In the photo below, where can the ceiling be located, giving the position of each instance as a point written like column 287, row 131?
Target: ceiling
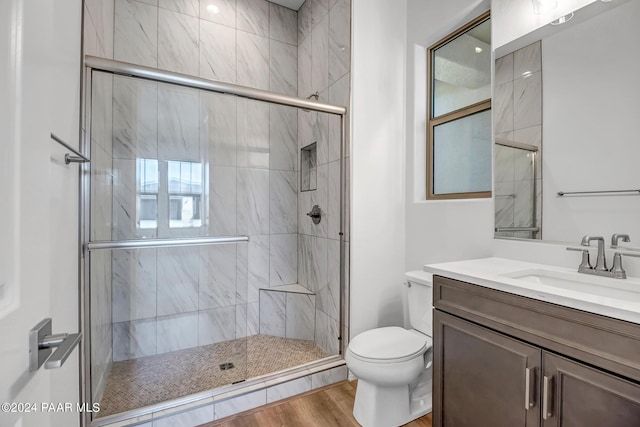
column 291, row 4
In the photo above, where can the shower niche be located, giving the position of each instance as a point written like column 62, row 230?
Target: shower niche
column 309, row 167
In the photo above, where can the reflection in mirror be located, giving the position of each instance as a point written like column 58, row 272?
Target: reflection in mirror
column 572, row 93
column 516, row 198
column 518, row 126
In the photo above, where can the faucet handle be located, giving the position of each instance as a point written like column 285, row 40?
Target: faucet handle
column 601, row 260
column 585, row 263
column 617, row 270
column 616, row 237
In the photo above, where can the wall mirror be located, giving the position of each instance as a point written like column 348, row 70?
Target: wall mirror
column 567, row 127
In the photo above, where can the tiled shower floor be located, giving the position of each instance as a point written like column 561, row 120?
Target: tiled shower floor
column 141, row 382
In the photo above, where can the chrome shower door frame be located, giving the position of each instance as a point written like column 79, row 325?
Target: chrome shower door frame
column 91, row 64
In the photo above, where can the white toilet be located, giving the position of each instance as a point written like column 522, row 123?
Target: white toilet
column 393, row 364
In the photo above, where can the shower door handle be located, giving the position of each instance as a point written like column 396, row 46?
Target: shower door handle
column 41, row 343
column 63, row 351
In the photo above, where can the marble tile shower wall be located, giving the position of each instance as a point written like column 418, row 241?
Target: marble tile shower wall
column 170, row 299
column 252, row 43
column 98, row 28
column 517, row 106
column 175, row 298
column 324, row 52
column 248, row 42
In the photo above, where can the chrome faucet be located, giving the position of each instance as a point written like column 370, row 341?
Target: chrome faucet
column 601, row 261
column 600, row 268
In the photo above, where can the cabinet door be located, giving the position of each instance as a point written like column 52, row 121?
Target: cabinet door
column 483, row 378
column 576, row 395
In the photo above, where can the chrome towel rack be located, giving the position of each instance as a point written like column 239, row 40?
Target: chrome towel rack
column 78, row 158
column 603, row 192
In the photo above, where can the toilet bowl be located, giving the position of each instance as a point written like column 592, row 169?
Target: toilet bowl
column 393, row 364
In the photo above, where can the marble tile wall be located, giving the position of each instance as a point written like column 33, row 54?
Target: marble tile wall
column 169, row 299
column 248, row 42
column 287, row 314
column 164, row 300
column 517, row 106
column 175, row 298
column 324, row 51
column 98, row 28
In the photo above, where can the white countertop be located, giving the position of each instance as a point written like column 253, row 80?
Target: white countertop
column 599, row 294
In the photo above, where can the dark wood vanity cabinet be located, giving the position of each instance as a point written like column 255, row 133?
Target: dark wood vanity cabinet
column 479, row 376
column 497, row 363
column 582, row 396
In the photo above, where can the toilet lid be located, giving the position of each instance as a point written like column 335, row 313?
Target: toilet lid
column 390, row 343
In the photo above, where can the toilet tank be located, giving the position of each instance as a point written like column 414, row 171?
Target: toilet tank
column 420, row 301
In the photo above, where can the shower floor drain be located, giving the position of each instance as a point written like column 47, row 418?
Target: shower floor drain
column 225, row 366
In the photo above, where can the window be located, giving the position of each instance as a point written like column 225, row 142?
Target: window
column 147, row 182
column 459, row 113
column 169, row 194
column 185, row 194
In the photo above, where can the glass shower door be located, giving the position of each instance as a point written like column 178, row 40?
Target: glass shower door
column 168, row 313
column 205, row 269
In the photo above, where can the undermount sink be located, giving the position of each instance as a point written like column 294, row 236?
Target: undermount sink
column 583, row 283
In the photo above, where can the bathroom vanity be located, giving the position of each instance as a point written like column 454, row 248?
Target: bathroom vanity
column 520, row 344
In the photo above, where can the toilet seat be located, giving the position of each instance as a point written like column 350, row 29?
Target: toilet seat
column 388, row 345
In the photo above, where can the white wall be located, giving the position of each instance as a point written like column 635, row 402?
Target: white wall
column 63, row 69
column 377, row 179
column 437, row 231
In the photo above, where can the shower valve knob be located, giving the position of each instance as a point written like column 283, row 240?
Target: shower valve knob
column 315, row 214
